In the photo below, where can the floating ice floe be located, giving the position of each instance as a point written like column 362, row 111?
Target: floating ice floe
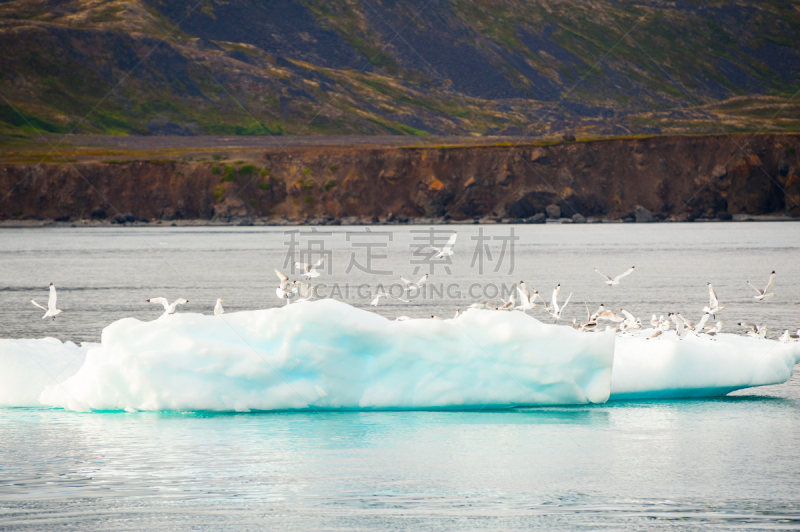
column 28, row 366
column 329, row 355
column 697, row 365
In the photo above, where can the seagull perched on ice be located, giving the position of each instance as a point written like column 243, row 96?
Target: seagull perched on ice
column 787, row 337
column 679, row 325
column 168, row 308
column 447, row 250
column 656, row 334
column 418, row 285
column 767, row 292
column 713, row 303
column 384, row 294
column 51, row 311
column 309, row 270
column 483, row 305
column 304, row 291
column 218, row 308
column 755, row 331
column 615, row 280
column 285, row 288
column 528, row 299
column 603, row 314
column 714, row 329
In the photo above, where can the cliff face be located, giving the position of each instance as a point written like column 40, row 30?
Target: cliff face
column 671, row 176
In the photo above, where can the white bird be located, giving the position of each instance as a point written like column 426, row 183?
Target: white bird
column 558, row 310
column 615, row 280
column 418, row 285
column 309, row 270
column 169, row 308
column 714, row 329
column 483, row 305
column 527, row 299
column 767, row 292
column 285, row 288
column 218, row 308
column 383, row 294
column 679, row 326
column 552, row 307
column 713, row 303
column 702, row 323
column 448, row 248
column 305, row 291
column 787, row 337
column 458, row 313
column 51, row 311
column 689, row 323
column 656, row 334
column 654, row 321
column 755, row 331
column 603, row 314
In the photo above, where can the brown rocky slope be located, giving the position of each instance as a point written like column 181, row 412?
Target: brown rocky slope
column 673, row 177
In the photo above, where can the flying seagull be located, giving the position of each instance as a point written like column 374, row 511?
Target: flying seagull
column 447, row 250
column 713, row 303
column 168, row 308
column 310, row 270
column 528, row 299
column 384, row 294
column 285, row 288
column 51, row 311
column 615, row 280
column 418, row 285
column 767, row 292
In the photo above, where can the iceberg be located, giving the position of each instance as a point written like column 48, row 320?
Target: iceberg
column 31, row 365
column 697, row 365
column 329, row 355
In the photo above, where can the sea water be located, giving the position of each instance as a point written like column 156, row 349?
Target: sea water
column 729, row 463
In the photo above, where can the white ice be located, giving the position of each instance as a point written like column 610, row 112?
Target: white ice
column 28, row 366
column 329, row 355
column 697, row 366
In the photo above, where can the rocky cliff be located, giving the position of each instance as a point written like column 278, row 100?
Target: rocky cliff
column 672, row 177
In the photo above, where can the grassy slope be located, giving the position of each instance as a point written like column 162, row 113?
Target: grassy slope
column 654, row 70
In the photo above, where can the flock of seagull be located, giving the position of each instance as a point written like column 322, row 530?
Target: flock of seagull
column 523, row 299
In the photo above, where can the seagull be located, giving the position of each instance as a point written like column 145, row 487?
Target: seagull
column 284, row 290
column 483, row 305
column 615, row 280
column 525, row 296
column 702, row 323
column 558, row 310
column 304, row 290
column 458, row 313
column 656, row 334
column 418, row 285
column 218, row 308
column 603, row 314
column 789, row 337
column 768, row 290
column 755, row 331
column 654, row 321
column 434, row 317
column 383, row 294
column 309, row 270
column 714, row 329
column 168, row 308
column 51, row 311
column 679, row 326
column 713, row 304
column 689, row 323
column 448, row 248
column 552, row 307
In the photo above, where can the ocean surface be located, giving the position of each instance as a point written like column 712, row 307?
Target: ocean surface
column 725, row 464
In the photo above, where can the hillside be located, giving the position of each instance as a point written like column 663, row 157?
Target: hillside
column 408, row 67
